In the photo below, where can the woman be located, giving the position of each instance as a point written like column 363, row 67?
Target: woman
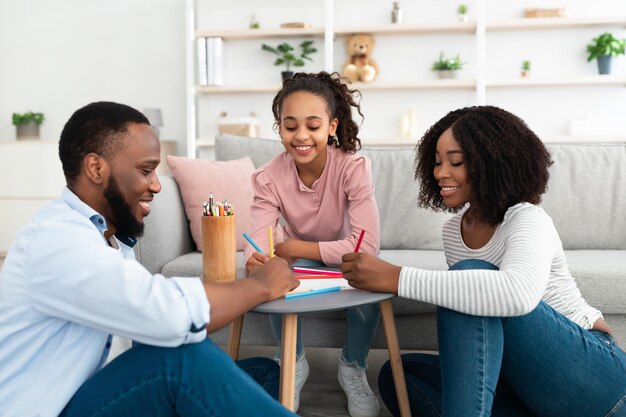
column 516, row 338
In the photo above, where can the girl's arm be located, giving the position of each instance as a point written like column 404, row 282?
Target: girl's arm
column 264, row 212
column 362, row 214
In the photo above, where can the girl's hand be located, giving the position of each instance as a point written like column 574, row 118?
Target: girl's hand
column 256, row 260
column 369, row 273
column 287, row 250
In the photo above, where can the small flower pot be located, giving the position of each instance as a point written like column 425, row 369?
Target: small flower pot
column 463, row 18
column 604, row 64
column 29, row 131
column 446, row 74
column 286, row 74
column 525, row 73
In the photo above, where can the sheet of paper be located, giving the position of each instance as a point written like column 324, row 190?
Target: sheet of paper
column 316, row 284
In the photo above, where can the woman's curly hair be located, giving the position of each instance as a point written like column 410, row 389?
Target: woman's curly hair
column 506, row 162
column 339, row 99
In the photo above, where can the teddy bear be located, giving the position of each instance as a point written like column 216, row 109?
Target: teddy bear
column 360, row 66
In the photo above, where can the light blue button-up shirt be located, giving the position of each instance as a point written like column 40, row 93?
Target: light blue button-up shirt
column 64, row 291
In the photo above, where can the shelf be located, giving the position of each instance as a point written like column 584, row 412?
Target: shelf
column 400, row 29
column 205, row 143
column 537, row 23
column 529, row 23
column 209, row 89
column 556, row 82
column 423, row 85
column 375, row 86
column 581, row 139
column 260, row 33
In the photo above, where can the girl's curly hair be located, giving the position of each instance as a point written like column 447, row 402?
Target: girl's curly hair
column 506, row 162
column 339, row 99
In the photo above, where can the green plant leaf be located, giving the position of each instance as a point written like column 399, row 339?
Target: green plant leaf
column 287, row 56
column 25, row 118
column 605, row 44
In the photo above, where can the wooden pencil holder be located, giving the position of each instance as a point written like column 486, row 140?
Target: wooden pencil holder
column 219, row 249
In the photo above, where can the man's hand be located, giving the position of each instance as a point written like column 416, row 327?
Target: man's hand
column 257, row 259
column 369, row 273
column 275, row 277
column 231, row 299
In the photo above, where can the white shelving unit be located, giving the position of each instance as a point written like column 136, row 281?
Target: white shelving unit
column 480, row 84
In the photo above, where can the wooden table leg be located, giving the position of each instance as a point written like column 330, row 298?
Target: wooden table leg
column 234, row 338
column 288, row 360
column 393, row 347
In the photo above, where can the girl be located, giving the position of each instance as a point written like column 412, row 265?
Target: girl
column 325, row 194
column 516, row 338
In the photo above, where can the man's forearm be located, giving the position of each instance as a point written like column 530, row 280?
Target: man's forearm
column 230, row 300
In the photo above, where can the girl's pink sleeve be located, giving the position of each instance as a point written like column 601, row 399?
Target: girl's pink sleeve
column 362, row 214
column 264, row 212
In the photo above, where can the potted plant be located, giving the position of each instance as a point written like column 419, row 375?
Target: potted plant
column 285, row 55
column 462, row 12
column 604, row 48
column 27, row 125
column 525, row 68
column 447, row 67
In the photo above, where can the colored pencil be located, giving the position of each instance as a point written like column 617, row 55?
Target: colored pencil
column 298, row 291
column 271, row 239
column 313, row 292
column 358, row 243
column 254, row 245
column 316, row 271
column 315, row 276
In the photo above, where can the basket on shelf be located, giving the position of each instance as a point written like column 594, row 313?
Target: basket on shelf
column 539, row 12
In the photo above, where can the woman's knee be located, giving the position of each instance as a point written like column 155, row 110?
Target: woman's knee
column 473, row 264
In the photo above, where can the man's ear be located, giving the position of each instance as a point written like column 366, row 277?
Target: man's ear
column 96, row 168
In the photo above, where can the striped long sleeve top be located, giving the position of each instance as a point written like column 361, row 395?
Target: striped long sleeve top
column 532, row 267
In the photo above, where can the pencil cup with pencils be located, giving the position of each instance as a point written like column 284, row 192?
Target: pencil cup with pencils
column 219, row 249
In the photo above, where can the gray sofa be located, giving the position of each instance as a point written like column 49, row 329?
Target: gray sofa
column 586, row 200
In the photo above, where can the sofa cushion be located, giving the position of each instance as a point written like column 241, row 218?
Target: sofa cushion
column 585, row 195
column 166, row 232
column 600, row 277
column 225, row 179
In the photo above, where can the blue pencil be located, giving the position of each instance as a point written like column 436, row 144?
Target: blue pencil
column 307, row 293
column 254, row 245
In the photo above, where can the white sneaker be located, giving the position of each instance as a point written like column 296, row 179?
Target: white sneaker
column 362, row 402
column 302, row 373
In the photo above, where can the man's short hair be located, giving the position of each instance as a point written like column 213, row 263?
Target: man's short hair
column 98, row 127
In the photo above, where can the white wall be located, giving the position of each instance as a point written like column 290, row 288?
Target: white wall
column 56, row 56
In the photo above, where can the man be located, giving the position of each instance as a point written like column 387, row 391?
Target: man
column 70, row 281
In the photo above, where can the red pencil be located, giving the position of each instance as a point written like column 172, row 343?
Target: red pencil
column 358, row 243
column 316, row 276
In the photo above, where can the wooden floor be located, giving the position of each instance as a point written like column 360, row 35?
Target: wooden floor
column 322, row 396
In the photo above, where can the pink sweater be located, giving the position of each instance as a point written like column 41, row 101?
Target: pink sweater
column 332, row 212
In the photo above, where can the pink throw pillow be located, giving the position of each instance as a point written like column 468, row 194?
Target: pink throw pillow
column 225, row 179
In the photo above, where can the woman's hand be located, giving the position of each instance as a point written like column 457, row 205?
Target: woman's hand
column 369, row 273
column 257, row 259
column 602, row 326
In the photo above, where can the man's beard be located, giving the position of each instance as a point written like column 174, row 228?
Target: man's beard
column 122, row 216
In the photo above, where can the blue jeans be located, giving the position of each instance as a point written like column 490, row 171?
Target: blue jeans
column 198, row 379
column 361, row 324
column 539, row 364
